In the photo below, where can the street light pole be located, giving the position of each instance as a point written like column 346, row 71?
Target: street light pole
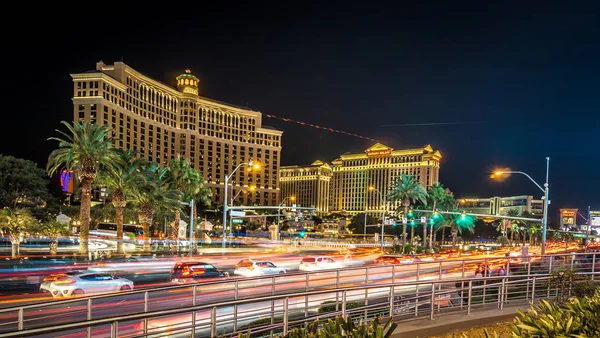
column 545, row 190
column 192, row 241
column 225, row 206
column 383, row 198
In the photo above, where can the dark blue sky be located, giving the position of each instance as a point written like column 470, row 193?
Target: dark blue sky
column 530, row 70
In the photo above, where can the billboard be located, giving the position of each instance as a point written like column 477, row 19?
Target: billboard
column 568, row 217
column 596, row 221
column 66, row 181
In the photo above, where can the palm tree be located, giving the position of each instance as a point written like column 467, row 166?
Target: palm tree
column 188, row 181
column 156, row 194
column 406, row 189
column 85, row 149
column 438, row 196
column 53, row 229
column 16, row 222
column 121, row 183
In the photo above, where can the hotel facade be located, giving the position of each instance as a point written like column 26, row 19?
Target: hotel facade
column 161, row 122
column 499, row 206
column 348, row 178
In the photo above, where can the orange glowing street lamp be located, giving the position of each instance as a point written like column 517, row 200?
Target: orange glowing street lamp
column 499, row 173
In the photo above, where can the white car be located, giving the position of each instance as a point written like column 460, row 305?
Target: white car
column 247, row 267
column 79, row 283
column 318, row 263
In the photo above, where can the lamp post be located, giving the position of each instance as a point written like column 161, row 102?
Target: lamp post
column 546, row 201
column 372, row 188
column 291, row 198
column 250, row 163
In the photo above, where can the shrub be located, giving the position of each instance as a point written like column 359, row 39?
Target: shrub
column 329, row 306
column 576, row 318
column 341, row 327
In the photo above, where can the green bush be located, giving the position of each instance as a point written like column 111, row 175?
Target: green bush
column 565, row 282
column 578, row 317
column 341, row 327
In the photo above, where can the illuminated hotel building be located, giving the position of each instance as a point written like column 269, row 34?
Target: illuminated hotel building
column 161, row 122
column 499, row 206
column 352, row 174
column 309, row 185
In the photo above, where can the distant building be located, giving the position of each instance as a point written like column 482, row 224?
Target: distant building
column 349, row 177
column 499, row 206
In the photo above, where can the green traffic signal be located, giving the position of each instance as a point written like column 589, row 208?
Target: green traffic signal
column 410, row 214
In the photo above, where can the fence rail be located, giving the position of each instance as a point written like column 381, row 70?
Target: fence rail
column 413, row 289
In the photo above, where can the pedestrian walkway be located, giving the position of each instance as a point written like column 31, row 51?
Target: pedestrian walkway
column 454, row 322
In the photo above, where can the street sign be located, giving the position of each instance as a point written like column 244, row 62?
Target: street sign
column 423, row 219
column 237, row 220
column 235, row 213
column 578, row 235
column 404, row 220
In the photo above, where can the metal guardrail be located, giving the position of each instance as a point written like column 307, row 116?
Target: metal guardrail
column 580, row 262
column 209, row 319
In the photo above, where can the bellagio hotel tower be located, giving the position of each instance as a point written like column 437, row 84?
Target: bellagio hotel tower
column 161, row 122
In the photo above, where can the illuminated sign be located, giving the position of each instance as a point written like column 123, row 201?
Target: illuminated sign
column 595, row 220
column 66, row 181
column 190, row 90
column 568, row 217
column 379, row 152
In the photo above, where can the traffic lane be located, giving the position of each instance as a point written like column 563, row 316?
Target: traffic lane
column 170, row 299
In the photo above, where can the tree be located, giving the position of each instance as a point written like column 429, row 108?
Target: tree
column 23, row 185
column 189, row 182
column 16, row 222
column 514, row 224
column 440, row 198
column 407, row 189
column 84, row 149
column 121, row 183
column 155, row 194
column 53, row 229
column 461, row 223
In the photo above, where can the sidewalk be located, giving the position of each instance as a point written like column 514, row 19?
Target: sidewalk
column 454, row 322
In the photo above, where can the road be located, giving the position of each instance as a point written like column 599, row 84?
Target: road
column 127, row 303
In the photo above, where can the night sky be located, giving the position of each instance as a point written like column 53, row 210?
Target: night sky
column 528, row 73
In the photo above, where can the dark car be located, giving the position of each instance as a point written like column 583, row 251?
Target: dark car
column 190, row 272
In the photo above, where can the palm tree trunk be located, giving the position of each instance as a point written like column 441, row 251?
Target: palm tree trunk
column 431, row 230
column 412, row 234
column 454, row 232
column 146, row 237
column 53, row 246
column 15, row 241
column 119, row 204
column 175, row 232
column 404, row 227
column 424, row 235
column 443, row 239
column 146, row 214
column 84, row 215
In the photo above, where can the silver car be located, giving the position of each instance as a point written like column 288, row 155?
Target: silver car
column 79, row 283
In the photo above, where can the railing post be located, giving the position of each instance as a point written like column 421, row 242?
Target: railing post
column 432, row 301
column 145, row 301
column 20, row 319
column 593, row 265
column 213, row 322
column 236, row 290
column 193, row 323
column 533, row 290
column 273, row 286
column 366, row 303
column 307, row 281
column 114, row 329
column 440, row 271
column 469, row 295
column 285, row 315
column 394, row 273
column 235, row 311
column 418, row 271
column 392, row 301
column 550, row 265
column 463, row 268
column 337, row 278
column 501, row 294
column 367, row 276
column 89, row 317
column 344, row 304
column 194, row 295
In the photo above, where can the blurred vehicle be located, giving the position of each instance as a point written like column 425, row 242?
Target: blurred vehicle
column 318, row 263
column 427, row 257
column 248, row 267
column 26, row 274
column 190, row 272
column 388, row 259
column 79, row 283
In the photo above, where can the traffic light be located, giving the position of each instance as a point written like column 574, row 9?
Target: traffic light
column 410, row 214
column 436, row 214
column 463, row 215
column 302, row 234
column 394, row 224
column 412, row 223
